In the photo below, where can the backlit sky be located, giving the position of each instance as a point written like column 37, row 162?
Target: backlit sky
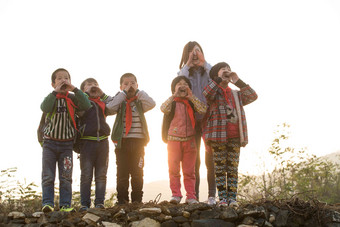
column 288, row 51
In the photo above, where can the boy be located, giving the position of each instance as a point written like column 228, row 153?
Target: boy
column 225, row 130
column 59, row 132
column 178, row 130
column 130, row 135
column 94, row 145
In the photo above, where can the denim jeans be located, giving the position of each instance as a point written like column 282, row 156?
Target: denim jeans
column 57, row 152
column 209, row 162
column 94, row 156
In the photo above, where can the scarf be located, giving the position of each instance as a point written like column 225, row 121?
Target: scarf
column 227, row 94
column 190, row 111
column 128, row 114
column 70, row 106
column 100, row 103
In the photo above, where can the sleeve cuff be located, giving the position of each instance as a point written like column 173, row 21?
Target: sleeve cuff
column 240, row 84
column 75, row 90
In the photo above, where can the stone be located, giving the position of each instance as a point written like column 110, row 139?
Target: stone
column 38, row 214
column 281, row 218
column 211, row 222
column 209, row 214
column 16, row 215
column 57, row 216
column 146, row 222
column 271, row 218
column 31, row 220
column 91, row 218
column 152, row 210
column 229, row 214
column 170, row 223
column 257, row 212
column 98, row 212
column 197, row 206
column 175, row 211
column 110, row 224
column 186, row 214
column 67, row 223
column 180, row 219
column 132, row 216
column 119, row 214
column 248, row 220
column 332, row 216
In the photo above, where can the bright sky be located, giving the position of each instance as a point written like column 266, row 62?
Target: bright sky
column 288, row 51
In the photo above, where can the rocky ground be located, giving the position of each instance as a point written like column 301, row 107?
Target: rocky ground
column 265, row 213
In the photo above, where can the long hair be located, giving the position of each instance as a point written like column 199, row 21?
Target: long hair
column 186, row 50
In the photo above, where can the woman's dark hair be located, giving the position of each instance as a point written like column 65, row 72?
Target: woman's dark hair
column 178, row 79
column 186, row 50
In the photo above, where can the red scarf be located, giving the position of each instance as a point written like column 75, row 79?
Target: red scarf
column 70, row 106
column 189, row 109
column 227, row 94
column 100, row 103
column 128, row 114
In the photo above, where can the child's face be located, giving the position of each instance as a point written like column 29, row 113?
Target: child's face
column 129, row 85
column 181, row 88
column 88, row 86
column 223, row 72
column 61, row 77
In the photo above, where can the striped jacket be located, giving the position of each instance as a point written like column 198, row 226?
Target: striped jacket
column 215, row 120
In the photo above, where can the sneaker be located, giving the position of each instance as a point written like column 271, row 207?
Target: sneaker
column 83, row 208
column 175, row 200
column 47, row 208
column 211, row 201
column 67, row 209
column 100, row 206
column 233, row 203
column 223, row 203
column 191, row 201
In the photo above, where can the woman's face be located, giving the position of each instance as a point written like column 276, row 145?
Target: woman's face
column 195, row 51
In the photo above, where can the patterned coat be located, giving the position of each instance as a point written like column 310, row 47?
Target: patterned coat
column 215, row 124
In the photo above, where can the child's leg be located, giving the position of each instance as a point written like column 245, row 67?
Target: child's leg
column 174, row 163
column 49, row 160
column 220, row 158
column 65, row 166
column 233, row 155
column 87, row 157
column 209, row 162
column 188, row 167
column 101, row 165
column 122, row 162
column 136, row 169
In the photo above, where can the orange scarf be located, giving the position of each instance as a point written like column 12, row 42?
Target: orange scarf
column 128, row 114
column 70, row 106
column 190, row 111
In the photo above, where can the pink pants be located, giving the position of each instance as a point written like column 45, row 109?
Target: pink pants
column 184, row 152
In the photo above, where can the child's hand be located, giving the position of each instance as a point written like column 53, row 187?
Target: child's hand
column 64, row 87
column 94, row 92
column 233, row 77
column 189, row 93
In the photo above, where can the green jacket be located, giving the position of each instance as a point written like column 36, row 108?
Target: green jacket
column 118, row 126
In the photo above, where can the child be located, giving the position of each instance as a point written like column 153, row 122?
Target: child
column 178, row 130
column 130, row 135
column 94, row 145
column 194, row 66
column 59, row 132
column 225, row 129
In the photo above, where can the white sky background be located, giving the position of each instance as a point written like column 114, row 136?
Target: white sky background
column 288, row 51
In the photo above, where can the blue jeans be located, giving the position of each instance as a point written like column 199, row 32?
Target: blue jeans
column 94, row 156
column 57, row 152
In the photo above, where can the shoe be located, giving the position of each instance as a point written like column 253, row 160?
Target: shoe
column 175, row 200
column 83, row 208
column 223, row 203
column 191, row 201
column 67, row 209
column 211, row 201
column 47, row 209
column 233, row 203
column 100, row 206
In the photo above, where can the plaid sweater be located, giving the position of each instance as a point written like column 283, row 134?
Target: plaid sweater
column 215, row 121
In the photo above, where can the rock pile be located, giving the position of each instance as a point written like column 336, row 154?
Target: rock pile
column 164, row 214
